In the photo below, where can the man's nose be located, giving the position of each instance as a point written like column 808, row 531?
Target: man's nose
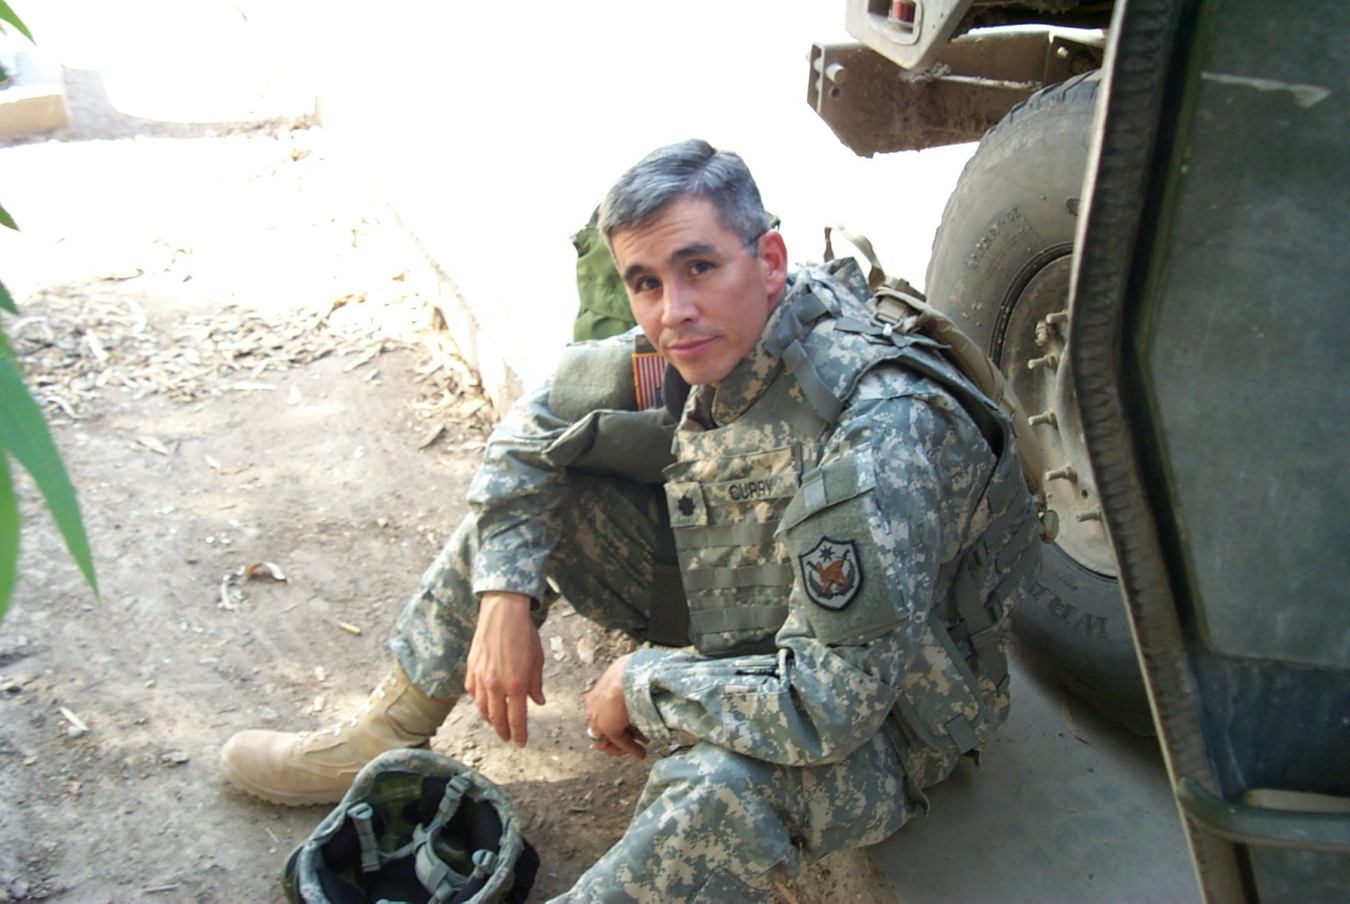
column 679, row 304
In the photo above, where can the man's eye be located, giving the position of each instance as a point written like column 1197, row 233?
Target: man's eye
column 644, row 284
column 700, row 267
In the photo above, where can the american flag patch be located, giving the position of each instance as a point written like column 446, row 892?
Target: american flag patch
column 649, row 369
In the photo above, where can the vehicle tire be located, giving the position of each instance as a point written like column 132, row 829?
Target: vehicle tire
column 1001, row 270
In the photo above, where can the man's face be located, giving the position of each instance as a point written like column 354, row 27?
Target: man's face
column 697, row 291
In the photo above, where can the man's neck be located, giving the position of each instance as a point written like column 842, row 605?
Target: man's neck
column 720, row 404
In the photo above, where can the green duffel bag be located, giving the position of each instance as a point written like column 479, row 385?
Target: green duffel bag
column 603, row 309
column 416, row 827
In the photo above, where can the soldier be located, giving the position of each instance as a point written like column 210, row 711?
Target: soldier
column 846, row 515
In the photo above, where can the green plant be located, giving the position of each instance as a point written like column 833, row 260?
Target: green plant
column 24, row 435
column 7, row 15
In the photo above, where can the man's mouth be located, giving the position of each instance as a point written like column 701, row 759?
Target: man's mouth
column 689, row 347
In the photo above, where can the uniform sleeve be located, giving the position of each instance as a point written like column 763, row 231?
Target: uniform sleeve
column 914, row 467
column 516, row 494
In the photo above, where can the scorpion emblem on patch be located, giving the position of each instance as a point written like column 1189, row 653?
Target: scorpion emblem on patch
column 832, row 572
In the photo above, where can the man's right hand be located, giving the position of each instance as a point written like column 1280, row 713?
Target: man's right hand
column 506, row 664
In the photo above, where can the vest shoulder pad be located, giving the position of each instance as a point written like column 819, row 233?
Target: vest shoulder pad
column 599, row 374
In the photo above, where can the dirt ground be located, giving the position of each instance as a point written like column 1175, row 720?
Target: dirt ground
column 240, row 355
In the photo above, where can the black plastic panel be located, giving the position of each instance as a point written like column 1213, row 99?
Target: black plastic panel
column 1250, row 352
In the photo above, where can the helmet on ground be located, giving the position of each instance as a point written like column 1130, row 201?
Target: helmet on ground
column 416, row 827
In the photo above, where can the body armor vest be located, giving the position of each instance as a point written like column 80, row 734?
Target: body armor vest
column 734, row 485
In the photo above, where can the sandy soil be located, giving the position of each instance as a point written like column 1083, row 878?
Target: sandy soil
column 240, row 355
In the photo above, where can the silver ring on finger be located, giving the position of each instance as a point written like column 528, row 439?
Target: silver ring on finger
column 595, row 738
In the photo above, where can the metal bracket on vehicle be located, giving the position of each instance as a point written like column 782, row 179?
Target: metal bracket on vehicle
column 875, row 106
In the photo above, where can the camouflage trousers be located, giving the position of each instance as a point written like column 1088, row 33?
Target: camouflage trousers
column 716, row 826
column 710, row 825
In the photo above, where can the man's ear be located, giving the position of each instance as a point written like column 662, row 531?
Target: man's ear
column 773, row 262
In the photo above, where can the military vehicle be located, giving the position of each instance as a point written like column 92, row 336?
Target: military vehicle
column 1150, row 242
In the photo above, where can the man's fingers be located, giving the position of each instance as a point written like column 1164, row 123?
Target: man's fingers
column 507, row 715
column 626, row 744
column 621, row 744
column 537, row 685
column 480, row 699
column 497, row 716
column 516, row 708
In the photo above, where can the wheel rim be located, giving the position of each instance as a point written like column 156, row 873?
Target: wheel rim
column 1030, row 347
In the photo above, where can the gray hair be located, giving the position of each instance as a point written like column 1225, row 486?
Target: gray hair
column 690, row 169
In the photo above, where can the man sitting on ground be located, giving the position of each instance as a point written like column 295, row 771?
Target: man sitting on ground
column 838, row 527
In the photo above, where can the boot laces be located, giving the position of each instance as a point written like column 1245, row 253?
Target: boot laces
column 351, row 721
column 366, row 707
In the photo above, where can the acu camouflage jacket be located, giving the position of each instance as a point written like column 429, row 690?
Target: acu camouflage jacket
column 879, row 508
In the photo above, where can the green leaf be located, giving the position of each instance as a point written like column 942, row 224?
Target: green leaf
column 5, row 218
column 8, row 15
column 9, row 535
column 6, row 301
column 24, row 433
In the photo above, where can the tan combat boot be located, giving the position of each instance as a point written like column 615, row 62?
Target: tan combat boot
column 318, row 767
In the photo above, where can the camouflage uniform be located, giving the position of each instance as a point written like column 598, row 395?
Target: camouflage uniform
column 832, row 500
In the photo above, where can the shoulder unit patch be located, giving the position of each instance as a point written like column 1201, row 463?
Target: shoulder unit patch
column 832, row 572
